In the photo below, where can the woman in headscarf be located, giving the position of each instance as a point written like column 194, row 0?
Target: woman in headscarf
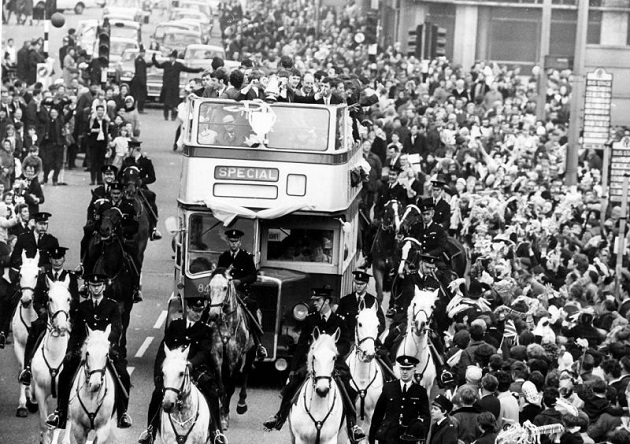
column 131, row 115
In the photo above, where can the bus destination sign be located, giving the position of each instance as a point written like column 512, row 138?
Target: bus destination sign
column 253, row 174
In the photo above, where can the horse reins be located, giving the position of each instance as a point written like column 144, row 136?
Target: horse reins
column 181, row 395
column 88, row 374
column 363, row 392
column 54, row 372
column 319, row 424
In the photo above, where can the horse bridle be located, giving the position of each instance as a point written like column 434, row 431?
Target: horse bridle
column 51, row 319
column 180, row 392
column 316, row 378
column 89, row 373
column 426, row 328
column 358, row 345
column 319, row 424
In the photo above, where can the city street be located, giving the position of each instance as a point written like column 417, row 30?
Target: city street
column 68, row 206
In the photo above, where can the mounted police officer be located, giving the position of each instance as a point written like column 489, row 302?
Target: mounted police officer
column 401, row 403
column 428, row 232
column 129, row 227
column 37, row 240
column 138, row 159
column 191, row 332
column 102, row 191
column 243, row 270
column 349, row 305
column 97, row 312
column 328, row 322
column 442, row 214
column 38, row 327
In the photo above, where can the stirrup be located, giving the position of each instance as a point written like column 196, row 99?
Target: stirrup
column 219, row 438
column 25, row 376
column 53, row 420
column 156, row 235
column 146, row 437
column 261, row 352
column 137, row 296
column 271, row 423
column 357, row 433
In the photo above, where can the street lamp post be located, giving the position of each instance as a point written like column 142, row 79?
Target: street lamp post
column 577, row 94
column 545, row 33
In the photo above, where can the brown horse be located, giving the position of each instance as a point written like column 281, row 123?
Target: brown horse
column 233, row 345
column 384, row 251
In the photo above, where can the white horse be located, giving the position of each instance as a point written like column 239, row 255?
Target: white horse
column 185, row 412
column 48, row 357
column 93, row 392
column 317, row 417
column 416, row 339
column 367, row 376
column 21, row 323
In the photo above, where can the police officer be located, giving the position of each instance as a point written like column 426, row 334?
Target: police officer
column 241, row 265
column 401, row 402
column 442, row 214
column 187, row 332
column 97, row 312
column 444, row 429
column 37, row 240
column 138, row 159
column 428, row 232
column 38, row 327
column 328, row 322
column 349, row 305
column 102, row 191
column 129, row 229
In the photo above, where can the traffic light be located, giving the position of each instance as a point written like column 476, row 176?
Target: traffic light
column 415, row 42
column 104, row 32
column 438, row 42
column 371, row 27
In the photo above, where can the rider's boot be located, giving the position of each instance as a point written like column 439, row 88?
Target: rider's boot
column 37, row 328
column 277, row 421
column 155, row 234
column 348, row 395
column 3, row 340
column 137, row 295
column 58, row 418
column 124, row 421
column 261, row 351
column 148, row 435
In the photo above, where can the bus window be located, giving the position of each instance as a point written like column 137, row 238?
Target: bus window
column 300, row 245
column 227, row 124
column 206, row 241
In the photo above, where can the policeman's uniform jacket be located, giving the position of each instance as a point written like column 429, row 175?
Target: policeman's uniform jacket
column 97, row 318
column 144, row 164
column 26, row 242
column 442, row 215
column 395, row 410
column 178, row 334
column 130, row 218
column 243, row 267
column 432, row 237
column 100, row 192
column 328, row 326
column 349, row 308
column 40, row 297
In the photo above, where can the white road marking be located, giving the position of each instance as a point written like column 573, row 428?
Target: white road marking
column 143, row 348
column 160, row 320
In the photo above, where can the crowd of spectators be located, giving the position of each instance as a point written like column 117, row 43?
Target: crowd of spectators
column 538, row 326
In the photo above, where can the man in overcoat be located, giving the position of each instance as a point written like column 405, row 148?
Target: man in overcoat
column 169, row 95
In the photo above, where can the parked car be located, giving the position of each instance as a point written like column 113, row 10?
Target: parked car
column 78, row 6
column 125, row 70
column 121, row 13
column 161, row 29
column 197, row 26
column 178, row 40
column 126, row 29
column 190, row 15
column 196, row 5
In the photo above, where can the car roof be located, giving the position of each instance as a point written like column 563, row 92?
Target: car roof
column 190, row 12
column 119, row 23
column 187, row 31
column 171, row 24
column 124, row 40
column 208, row 47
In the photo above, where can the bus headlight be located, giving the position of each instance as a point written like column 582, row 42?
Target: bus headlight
column 281, row 364
column 300, row 311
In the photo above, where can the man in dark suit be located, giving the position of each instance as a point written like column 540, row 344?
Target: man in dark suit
column 443, row 429
column 96, row 313
column 169, row 95
column 442, row 209
column 191, row 332
column 416, row 142
column 325, row 96
column 40, row 298
column 243, row 269
column 141, row 161
column 349, row 305
column 23, row 216
column 37, row 240
column 328, row 322
column 138, row 86
column 401, row 402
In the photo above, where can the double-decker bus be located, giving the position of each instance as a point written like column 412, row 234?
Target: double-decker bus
column 284, row 174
